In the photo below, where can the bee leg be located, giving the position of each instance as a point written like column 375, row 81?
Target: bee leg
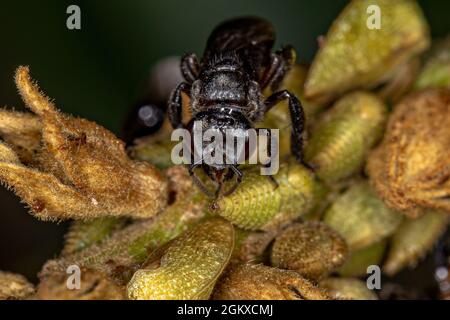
column 280, row 63
column 268, row 134
column 209, row 173
column 238, row 173
column 297, row 120
column 198, row 182
column 190, row 67
column 229, row 175
column 175, row 105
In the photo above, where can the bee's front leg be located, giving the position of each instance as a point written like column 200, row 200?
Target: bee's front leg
column 190, row 68
column 175, row 105
column 297, row 121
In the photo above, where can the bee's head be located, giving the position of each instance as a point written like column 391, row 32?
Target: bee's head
column 220, row 135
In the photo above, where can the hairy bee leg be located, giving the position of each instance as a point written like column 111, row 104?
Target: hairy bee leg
column 198, row 182
column 275, row 63
column 175, row 105
column 297, row 119
column 238, row 173
column 228, row 175
column 190, row 67
column 209, row 173
column 280, row 63
column 268, row 134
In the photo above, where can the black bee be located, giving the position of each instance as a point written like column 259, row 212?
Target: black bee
column 225, row 88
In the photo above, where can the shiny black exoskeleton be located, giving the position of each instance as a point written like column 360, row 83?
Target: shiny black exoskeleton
column 225, row 88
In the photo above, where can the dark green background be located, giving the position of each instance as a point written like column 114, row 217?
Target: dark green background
column 98, row 71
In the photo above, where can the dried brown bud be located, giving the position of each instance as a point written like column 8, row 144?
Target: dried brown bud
column 22, row 131
column 311, row 248
column 410, row 170
column 251, row 246
column 7, row 154
column 93, row 286
column 258, row 282
column 82, row 169
column 14, row 286
column 121, row 254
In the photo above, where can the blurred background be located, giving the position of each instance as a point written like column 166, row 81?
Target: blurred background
column 98, row 72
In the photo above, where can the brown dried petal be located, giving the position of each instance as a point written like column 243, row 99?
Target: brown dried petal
column 14, row 286
column 251, row 246
column 258, row 282
column 124, row 251
column 7, row 154
column 410, row 170
column 93, row 286
column 84, row 171
column 22, row 131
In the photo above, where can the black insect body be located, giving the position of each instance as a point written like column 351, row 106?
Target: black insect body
column 225, row 88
